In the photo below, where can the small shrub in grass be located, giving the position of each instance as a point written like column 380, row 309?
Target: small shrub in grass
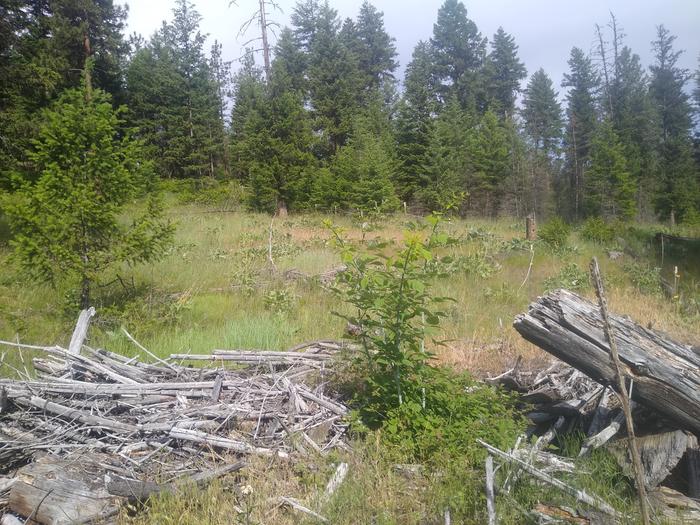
column 555, row 233
column 571, row 277
column 280, row 300
column 645, row 278
column 595, row 229
column 448, row 417
column 424, row 410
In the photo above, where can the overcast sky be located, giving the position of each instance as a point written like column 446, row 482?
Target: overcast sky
column 545, row 30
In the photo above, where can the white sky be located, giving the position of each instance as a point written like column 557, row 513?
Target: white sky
column 545, row 30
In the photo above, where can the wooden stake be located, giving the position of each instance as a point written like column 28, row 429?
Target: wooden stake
column 622, row 391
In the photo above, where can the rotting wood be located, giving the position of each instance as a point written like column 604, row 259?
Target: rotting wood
column 666, row 374
column 301, row 508
column 336, row 481
column 144, row 420
column 139, row 491
column 660, row 453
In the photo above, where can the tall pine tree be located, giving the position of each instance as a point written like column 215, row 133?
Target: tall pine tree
column 581, row 120
column 678, row 197
column 459, row 51
column 174, row 97
column 542, row 123
column 503, row 73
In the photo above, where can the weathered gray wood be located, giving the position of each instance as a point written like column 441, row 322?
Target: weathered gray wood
column 55, row 491
column 219, row 442
column 139, row 491
column 10, row 519
column 693, row 455
column 660, row 453
column 674, row 508
column 336, row 481
column 490, row 495
column 666, row 374
column 301, row 508
column 81, row 329
column 589, row 499
column 623, row 393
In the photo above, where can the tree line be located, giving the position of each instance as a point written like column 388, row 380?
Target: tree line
column 328, row 126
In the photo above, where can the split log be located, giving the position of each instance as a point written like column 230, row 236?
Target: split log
column 666, row 374
column 675, row 508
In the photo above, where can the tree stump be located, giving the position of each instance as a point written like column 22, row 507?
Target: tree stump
column 530, row 227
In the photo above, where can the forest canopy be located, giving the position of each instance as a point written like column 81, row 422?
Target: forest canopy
column 325, row 124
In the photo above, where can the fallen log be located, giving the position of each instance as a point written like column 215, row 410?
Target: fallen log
column 666, row 374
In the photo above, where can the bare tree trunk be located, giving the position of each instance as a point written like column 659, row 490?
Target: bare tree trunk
column 266, row 45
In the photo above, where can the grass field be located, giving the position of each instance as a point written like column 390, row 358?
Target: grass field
column 217, row 289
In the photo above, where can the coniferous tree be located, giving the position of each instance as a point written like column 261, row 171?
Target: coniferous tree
column 376, row 50
column 503, row 73
column 610, row 190
column 542, row 123
column 364, row 170
column 459, row 51
column 442, row 187
column 66, row 218
column 43, row 47
column 174, row 97
column 414, row 123
column 272, row 139
column 489, row 162
column 334, row 81
column 248, row 99
column 581, row 120
column 678, row 197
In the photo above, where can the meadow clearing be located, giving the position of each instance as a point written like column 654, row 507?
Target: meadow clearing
column 218, row 289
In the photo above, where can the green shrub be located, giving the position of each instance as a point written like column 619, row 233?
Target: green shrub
column 570, row 277
column 424, row 410
column 206, row 191
column 555, row 233
column 645, row 278
column 446, row 422
column 595, row 229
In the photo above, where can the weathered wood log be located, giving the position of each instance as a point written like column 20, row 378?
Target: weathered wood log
column 660, row 453
column 54, row 491
column 666, row 374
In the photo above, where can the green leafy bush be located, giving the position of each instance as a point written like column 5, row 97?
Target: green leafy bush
column 422, row 409
column 645, row 278
column 555, row 233
column 595, row 229
column 453, row 412
column 570, row 277
column 280, row 300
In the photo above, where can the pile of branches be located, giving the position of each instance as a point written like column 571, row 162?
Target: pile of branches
column 148, row 425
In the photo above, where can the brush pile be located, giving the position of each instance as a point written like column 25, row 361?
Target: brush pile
column 94, row 427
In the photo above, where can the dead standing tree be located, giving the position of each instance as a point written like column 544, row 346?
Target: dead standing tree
column 261, row 17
